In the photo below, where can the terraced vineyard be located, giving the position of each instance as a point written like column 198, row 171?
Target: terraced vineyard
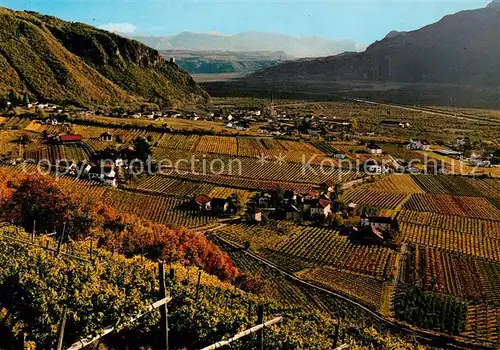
column 171, row 186
column 218, row 144
column 37, row 127
column 483, row 323
column 15, row 123
column 8, row 144
column 181, row 142
column 52, row 153
column 126, row 135
column 450, row 273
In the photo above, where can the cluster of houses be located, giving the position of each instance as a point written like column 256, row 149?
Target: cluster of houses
column 317, row 207
column 290, row 205
column 214, row 206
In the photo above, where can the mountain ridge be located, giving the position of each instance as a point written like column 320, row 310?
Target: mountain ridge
column 307, row 46
column 458, row 49
column 74, row 63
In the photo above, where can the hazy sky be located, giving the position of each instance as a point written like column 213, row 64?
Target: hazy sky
column 361, row 21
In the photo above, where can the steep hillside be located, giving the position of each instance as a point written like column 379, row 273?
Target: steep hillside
column 459, row 50
column 77, row 64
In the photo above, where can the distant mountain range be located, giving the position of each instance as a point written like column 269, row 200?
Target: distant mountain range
column 310, row 46
column 453, row 58
column 218, row 62
column 459, row 49
column 74, row 63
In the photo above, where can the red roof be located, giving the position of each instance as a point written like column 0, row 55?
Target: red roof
column 70, row 138
column 202, row 199
column 324, row 203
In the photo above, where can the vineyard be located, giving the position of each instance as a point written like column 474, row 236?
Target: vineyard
column 325, row 247
column 451, row 222
column 9, row 145
column 38, row 127
column 453, row 241
column 367, row 290
column 396, row 183
column 126, row 135
column 367, row 196
column 251, row 168
column 38, row 152
column 296, row 296
column 245, row 147
column 457, row 185
column 450, row 273
column 14, row 123
column 470, row 280
column 475, row 207
column 157, row 208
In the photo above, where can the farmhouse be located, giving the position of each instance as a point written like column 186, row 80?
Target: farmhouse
column 321, row 207
column 384, row 224
column 202, row 202
column 106, row 136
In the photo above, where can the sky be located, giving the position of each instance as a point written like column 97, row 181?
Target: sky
column 361, row 21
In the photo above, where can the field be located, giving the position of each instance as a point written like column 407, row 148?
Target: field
column 472, row 280
column 53, row 153
column 451, row 222
column 245, row 169
column 161, row 209
column 397, row 183
column 366, row 196
column 8, row 144
column 477, row 245
column 475, row 207
column 457, row 185
column 368, row 290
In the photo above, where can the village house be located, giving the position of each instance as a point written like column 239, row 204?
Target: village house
column 202, row 202
column 321, row 207
column 385, row 224
column 422, row 145
column 106, row 136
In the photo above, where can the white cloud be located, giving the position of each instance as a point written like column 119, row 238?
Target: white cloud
column 119, row 27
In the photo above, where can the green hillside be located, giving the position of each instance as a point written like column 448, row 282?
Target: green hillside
column 74, row 63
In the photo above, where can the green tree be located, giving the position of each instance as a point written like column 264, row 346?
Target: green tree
column 143, row 149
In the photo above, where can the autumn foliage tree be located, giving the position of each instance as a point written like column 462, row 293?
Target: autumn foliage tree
column 39, row 199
